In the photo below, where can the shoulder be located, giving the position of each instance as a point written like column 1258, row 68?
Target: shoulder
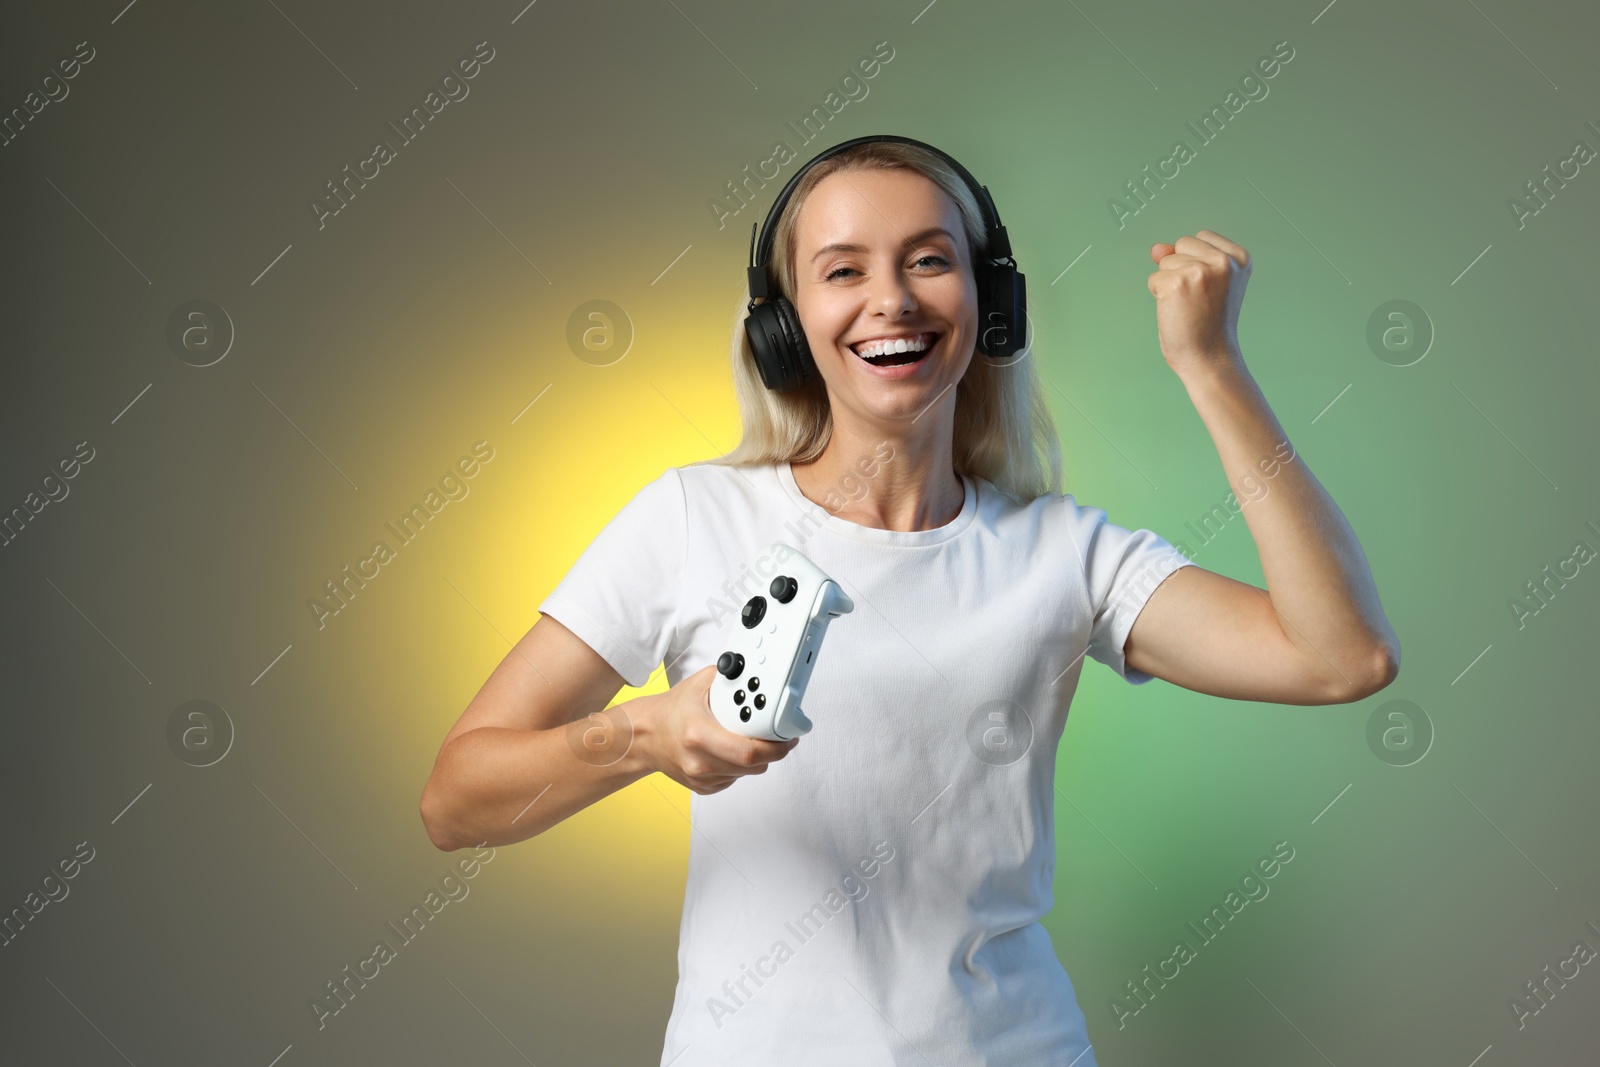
column 707, row 473
column 717, row 469
column 1045, row 512
column 708, row 480
column 662, row 494
column 700, row 480
column 1059, row 519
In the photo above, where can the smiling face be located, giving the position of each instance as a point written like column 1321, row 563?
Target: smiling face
column 882, row 255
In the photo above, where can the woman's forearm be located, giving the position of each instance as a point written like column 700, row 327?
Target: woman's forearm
column 1316, row 573
column 496, row 786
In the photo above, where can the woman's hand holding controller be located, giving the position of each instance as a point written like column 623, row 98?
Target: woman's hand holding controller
column 683, row 740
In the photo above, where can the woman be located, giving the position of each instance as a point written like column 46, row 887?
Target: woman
column 874, row 894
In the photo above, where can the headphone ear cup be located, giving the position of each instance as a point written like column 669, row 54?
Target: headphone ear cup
column 800, row 364
column 1003, row 312
column 778, row 344
column 764, row 330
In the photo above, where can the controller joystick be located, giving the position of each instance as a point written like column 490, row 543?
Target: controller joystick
column 761, row 677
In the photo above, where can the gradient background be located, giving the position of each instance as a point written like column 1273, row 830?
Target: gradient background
column 370, row 355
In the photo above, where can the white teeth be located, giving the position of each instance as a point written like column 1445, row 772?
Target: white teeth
column 895, row 347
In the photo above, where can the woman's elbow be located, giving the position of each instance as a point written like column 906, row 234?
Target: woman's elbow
column 1383, row 667
column 1388, row 664
column 434, row 820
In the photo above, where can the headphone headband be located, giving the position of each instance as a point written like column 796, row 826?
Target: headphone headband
column 999, row 244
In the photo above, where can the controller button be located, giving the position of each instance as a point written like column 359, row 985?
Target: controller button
column 754, row 611
column 773, row 628
column 744, row 714
column 754, row 684
column 783, row 588
column 760, row 700
column 730, row 665
column 738, row 696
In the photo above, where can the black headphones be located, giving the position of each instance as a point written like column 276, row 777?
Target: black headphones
column 773, row 327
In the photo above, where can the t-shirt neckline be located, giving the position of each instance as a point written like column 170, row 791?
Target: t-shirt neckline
column 784, row 474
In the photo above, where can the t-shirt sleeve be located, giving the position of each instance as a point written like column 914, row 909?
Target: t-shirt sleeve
column 621, row 595
column 1122, row 568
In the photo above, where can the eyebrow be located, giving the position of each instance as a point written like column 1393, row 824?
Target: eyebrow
column 916, row 238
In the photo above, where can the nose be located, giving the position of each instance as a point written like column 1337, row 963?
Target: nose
column 891, row 294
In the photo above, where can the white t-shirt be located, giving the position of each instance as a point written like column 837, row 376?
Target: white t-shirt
column 875, row 896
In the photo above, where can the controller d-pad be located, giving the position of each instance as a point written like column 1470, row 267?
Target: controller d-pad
column 754, row 611
column 783, row 588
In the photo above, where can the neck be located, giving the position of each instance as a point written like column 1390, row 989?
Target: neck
column 900, row 483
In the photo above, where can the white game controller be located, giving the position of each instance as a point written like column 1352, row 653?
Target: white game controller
column 771, row 648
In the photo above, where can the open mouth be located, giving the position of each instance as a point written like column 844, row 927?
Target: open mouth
column 896, row 353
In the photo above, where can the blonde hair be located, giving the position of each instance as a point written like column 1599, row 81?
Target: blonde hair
column 1003, row 432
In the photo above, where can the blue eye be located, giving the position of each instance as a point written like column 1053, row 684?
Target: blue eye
column 940, row 260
